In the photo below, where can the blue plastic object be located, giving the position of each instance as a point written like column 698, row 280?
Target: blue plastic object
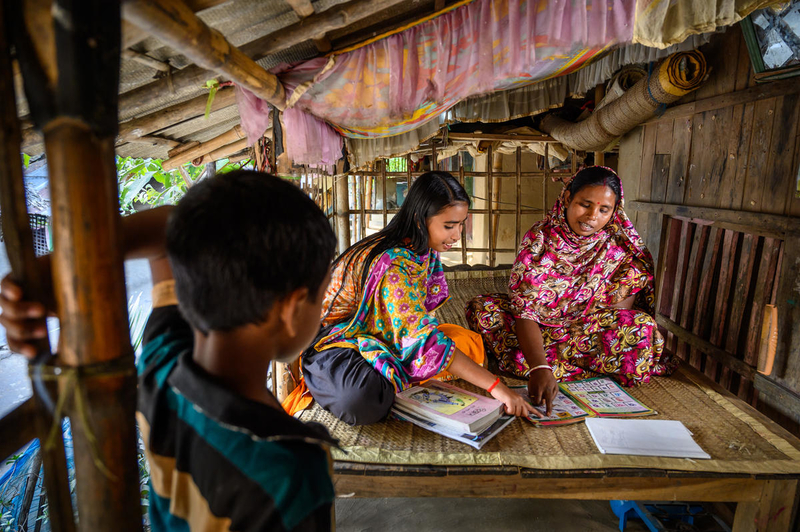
column 655, row 515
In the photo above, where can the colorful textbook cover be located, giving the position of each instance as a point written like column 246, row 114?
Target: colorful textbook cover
column 450, row 407
column 578, row 400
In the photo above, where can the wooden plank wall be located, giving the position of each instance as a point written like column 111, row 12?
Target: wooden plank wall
column 744, row 156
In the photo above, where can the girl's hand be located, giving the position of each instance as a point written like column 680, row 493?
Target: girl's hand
column 24, row 321
column 514, row 402
column 542, row 386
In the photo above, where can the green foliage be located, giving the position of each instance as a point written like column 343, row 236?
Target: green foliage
column 143, row 183
column 397, row 164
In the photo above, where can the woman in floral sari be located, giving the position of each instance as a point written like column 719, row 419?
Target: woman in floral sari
column 580, row 297
column 379, row 335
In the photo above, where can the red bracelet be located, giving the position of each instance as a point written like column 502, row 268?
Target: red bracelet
column 490, row 388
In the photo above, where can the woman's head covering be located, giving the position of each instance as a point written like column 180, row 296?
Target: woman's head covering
column 560, row 275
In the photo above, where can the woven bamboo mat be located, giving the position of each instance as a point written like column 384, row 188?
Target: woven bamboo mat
column 737, row 442
column 463, row 286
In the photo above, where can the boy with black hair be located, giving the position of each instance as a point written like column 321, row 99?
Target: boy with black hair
column 250, row 255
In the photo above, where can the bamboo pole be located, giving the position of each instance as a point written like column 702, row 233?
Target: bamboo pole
column 518, row 213
column 228, row 149
column 490, row 191
column 132, row 34
column 157, row 142
column 234, row 134
column 172, row 115
column 464, row 228
column 146, row 60
column 79, row 126
column 173, row 23
column 383, row 181
column 342, row 210
column 363, row 206
column 188, row 79
column 303, row 8
column 25, row 270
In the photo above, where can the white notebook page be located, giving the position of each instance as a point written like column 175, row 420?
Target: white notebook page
column 644, row 437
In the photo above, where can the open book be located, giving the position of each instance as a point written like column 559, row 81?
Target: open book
column 452, row 408
column 578, row 400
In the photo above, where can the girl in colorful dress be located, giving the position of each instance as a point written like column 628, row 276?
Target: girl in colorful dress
column 580, row 297
column 379, row 335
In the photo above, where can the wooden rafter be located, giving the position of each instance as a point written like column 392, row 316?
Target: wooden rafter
column 173, row 23
column 303, row 8
column 142, row 98
column 203, row 148
column 175, row 114
column 146, row 60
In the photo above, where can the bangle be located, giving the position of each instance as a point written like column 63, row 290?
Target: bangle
column 490, row 388
column 543, row 366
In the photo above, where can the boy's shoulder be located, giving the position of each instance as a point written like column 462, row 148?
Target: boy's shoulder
column 248, row 461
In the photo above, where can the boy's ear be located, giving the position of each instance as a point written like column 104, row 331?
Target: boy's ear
column 290, row 309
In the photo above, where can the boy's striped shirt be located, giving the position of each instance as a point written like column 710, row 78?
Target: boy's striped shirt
column 219, row 461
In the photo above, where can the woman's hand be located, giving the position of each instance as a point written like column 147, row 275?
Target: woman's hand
column 24, row 321
column 514, row 402
column 542, row 386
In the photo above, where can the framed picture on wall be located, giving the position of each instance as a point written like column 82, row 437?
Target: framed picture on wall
column 772, row 35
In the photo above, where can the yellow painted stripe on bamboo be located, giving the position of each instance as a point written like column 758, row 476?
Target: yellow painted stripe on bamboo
column 402, row 28
column 186, row 501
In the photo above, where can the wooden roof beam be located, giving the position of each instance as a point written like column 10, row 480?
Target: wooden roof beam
column 146, row 60
column 141, row 99
column 303, row 8
column 204, row 148
column 175, row 114
column 174, row 24
column 132, row 34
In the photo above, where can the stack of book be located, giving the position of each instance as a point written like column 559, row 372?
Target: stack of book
column 452, row 412
column 578, row 400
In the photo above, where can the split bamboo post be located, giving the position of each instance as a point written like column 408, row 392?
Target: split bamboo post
column 234, row 134
column 25, row 270
column 173, row 23
column 187, row 79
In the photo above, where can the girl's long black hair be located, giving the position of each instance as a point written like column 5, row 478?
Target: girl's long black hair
column 431, row 193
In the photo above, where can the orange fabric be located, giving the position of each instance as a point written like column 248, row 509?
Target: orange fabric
column 468, row 342
column 299, row 399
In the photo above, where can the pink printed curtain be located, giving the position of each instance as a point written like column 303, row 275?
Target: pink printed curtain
column 399, row 82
